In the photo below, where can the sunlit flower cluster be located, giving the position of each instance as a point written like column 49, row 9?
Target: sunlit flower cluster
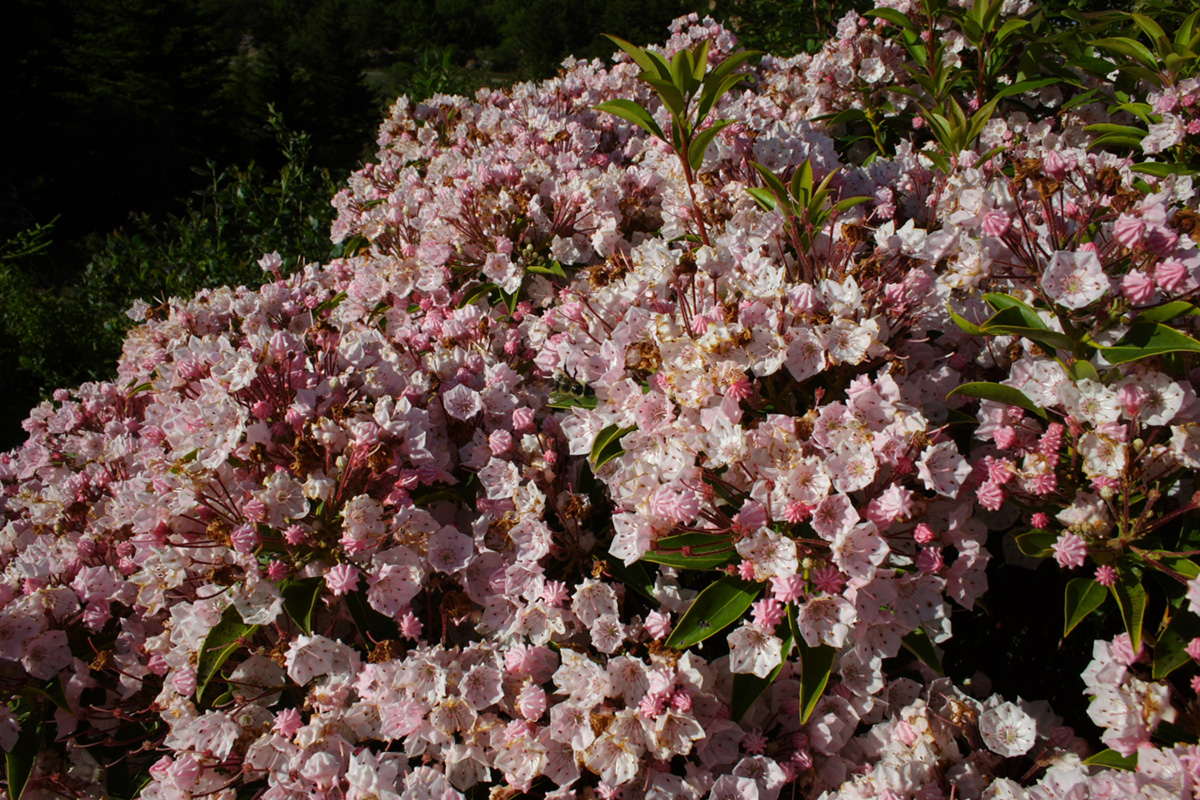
column 430, row 518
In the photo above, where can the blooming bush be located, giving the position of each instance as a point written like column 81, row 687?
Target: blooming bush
column 644, row 444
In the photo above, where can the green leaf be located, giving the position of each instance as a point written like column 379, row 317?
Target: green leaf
column 772, row 181
column 748, row 687
column 1083, row 596
column 1169, row 654
column 1113, row 760
column 1036, row 543
column 1131, row 598
column 703, row 139
column 920, row 645
column 19, row 763
column 713, row 610
column 1145, row 339
column 638, row 54
column 632, row 112
column 1080, row 370
column 300, row 600
column 764, row 197
column 670, row 94
column 1173, row 563
column 1008, row 322
column 1080, row 100
column 1151, row 28
column 476, row 293
column 1131, row 48
column 608, row 445
column 1122, row 130
column 893, row 16
column 1000, row 394
column 634, row 576
column 565, row 400
column 968, row 326
column 706, row 551
column 222, row 641
column 1009, row 28
column 1167, row 312
column 1162, row 170
column 816, row 665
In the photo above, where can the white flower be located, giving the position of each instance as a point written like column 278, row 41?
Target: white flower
column 1007, row 730
column 1075, row 279
column 462, row 402
column 753, row 650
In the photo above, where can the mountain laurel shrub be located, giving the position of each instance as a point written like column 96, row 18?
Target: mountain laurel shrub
column 651, row 438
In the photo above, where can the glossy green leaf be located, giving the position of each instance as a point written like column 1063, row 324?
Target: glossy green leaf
column 1036, row 543
column 1172, row 563
column 1015, row 321
column 608, row 445
column 713, row 610
column 962, row 322
column 705, row 551
column 1145, row 339
column 1000, row 394
column 920, row 645
column 632, row 112
column 703, row 139
column 1083, row 596
column 1131, row 48
column 1122, row 130
column 1113, row 760
column 634, row 576
column 300, row 600
column 565, row 400
column 816, row 665
column 222, row 642
column 549, row 268
column 1162, row 170
column 1079, row 370
column 1151, row 28
column 19, row 763
column 638, row 54
column 764, row 197
column 1169, row 653
column 893, row 16
column 1131, row 598
column 670, row 94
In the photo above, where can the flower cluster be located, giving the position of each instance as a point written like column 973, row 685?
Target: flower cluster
column 469, row 507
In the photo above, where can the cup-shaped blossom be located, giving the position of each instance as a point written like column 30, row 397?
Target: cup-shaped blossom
column 1075, row 279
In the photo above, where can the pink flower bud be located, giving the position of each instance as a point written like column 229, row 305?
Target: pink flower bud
column 341, row 579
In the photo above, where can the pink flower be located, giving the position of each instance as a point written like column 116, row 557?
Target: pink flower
column 531, row 702
column 1070, row 551
column 996, row 223
column 244, row 538
column 1193, row 649
column 787, row 588
column 410, row 626
column 1171, row 275
column 923, row 534
column 658, row 625
column 287, row 722
column 991, row 495
column 341, row 579
column 767, row 614
column 930, row 560
column 1137, row 287
column 1039, row 520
